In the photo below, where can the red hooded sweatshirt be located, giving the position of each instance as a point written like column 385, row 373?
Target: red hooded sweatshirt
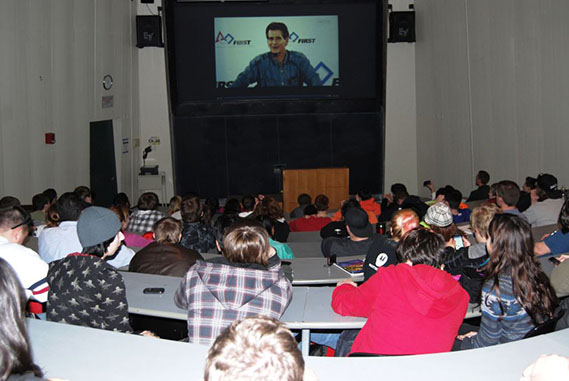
column 410, row 310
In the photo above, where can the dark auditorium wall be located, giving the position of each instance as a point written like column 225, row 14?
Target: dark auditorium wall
column 236, row 154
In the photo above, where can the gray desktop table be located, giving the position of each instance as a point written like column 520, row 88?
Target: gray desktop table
column 80, row 353
column 309, row 309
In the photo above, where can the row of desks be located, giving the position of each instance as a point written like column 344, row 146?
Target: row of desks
column 309, row 309
column 80, row 353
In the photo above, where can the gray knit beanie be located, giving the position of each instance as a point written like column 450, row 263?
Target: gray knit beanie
column 97, row 225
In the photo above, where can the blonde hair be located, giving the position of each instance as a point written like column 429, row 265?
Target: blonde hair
column 257, row 348
column 174, row 205
column 481, row 217
column 167, row 230
column 403, row 221
column 246, row 242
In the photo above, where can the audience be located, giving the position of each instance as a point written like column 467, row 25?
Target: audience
column 147, row 214
column 468, row 262
column 439, row 219
column 546, row 202
column 248, row 204
column 384, row 252
column 84, row 289
column 258, row 348
column 84, row 194
column 517, row 294
column 283, row 250
column 525, row 195
column 271, row 208
column 40, row 205
column 246, row 281
column 400, row 199
column 51, row 195
column 196, row 235
column 315, row 217
column 121, row 199
column 130, row 239
column 411, row 308
column 483, row 190
column 337, row 228
column 211, row 210
column 56, row 243
column 303, row 201
column 16, row 359
column 165, row 256
column 30, row 269
column 507, row 198
column 8, row 201
column 174, row 208
column 459, row 215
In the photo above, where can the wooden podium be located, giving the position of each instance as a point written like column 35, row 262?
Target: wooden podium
column 333, row 182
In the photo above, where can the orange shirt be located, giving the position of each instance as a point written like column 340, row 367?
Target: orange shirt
column 372, row 208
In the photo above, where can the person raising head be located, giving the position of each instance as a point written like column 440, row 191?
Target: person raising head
column 517, row 294
column 15, row 349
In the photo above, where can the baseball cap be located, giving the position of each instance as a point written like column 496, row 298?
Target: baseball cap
column 358, row 222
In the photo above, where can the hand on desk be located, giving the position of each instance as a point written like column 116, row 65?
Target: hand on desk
column 149, row 334
column 563, row 257
column 467, row 335
column 346, row 281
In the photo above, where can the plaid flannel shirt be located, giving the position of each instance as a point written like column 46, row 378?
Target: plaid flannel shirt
column 217, row 293
column 142, row 221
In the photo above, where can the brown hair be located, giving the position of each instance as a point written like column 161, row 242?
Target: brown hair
column 321, row 202
column 148, row 201
column 167, row 230
column 448, row 231
column 269, row 207
column 52, row 217
column 175, row 205
column 511, row 254
column 256, row 348
column 403, row 221
column 191, row 209
column 246, row 242
column 480, row 217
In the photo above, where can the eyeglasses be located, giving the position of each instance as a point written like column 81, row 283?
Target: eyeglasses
column 27, row 218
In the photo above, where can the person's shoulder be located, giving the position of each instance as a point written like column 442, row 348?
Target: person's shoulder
column 260, row 58
column 293, row 54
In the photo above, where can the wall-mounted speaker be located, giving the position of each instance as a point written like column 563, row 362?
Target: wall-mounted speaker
column 402, row 26
column 148, row 31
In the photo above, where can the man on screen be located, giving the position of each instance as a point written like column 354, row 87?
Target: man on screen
column 279, row 67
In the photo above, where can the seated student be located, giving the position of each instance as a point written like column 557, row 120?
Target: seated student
column 8, row 201
column 196, row 235
column 147, row 214
column 558, row 243
column 361, row 241
column 507, row 197
column 84, row 289
column 248, row 204
column 122, row 200
column 439, row 219
column 258, row 348
column 84, row 194
column 165, row 256
column 400, row 199
column 303, row 201
column 16, row 359
column 315, row 217
column 283, row 250
column 211, row 211
column 517, row 294
column 270, row 207
column 174, row 208
column 411, row 308
column 483, row 190
column 546, row 202
column 468, row 261
column 525, row 194
column 27, row 264
column 51, row 195
column 56, row 243
column 453, row 200
column 40, row 204
column 384, row 252
column 369, row 203
column 248, row 280
column 337, row 228
column 130, row 239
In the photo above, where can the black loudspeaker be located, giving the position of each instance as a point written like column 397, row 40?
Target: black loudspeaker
column 148, row 31
column 402, row 26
